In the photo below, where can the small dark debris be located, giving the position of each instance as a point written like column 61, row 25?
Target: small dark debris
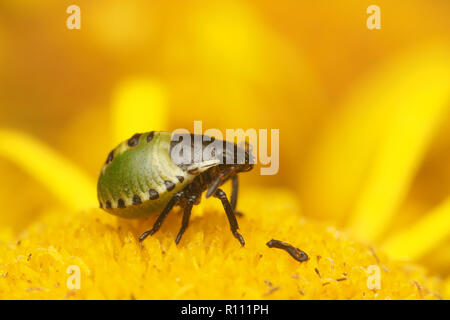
column 300, row 291
column 70, row 294
column 29, row 257
column 375, row 255
column 419, row 287
column 268, row 283
column 271, row 290
column 318, row 273
column 325, row 283
column 341, row 279
column 34, row 289
column 295, row 253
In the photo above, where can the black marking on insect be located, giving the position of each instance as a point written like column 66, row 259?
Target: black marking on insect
column 136, row 199
column 110, row 157
column 151, row 168
column 150, row 136
column 169, row 185
column 120, row 203
column 153, row 194
column 295, row 253
column 134, row 140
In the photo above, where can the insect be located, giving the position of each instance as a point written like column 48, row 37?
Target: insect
column 142, row 177
column 295, row 253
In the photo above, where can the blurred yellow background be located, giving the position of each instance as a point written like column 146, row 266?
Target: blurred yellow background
column 364, row 115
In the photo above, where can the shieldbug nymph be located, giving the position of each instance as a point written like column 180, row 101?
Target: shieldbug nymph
column 142, row 177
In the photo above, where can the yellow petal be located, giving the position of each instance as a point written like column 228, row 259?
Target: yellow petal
column 113, row 264
column 58, row 174
column 447, row 289
column 415, row 101
column 139, row 105
column 423, row 236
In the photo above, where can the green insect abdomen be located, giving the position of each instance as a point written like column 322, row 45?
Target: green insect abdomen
column 139, row 176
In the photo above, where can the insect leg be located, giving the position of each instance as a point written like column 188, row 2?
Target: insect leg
column 186, row 215
column 230, row 214
column 163, row 215
column 234, row 195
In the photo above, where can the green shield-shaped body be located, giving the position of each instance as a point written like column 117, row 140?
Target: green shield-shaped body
column 139, row 176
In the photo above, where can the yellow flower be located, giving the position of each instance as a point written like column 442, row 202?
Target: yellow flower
column 208, row 263
column 356, row 160
column 78, row 253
